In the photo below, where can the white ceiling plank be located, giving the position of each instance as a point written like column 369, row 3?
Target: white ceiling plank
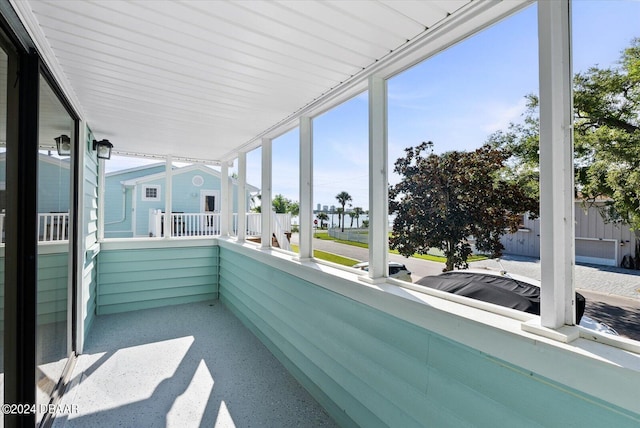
column 424, row 12
column 208, row 78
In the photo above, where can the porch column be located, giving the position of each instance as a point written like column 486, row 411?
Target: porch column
column 265, row 205
column 557, row 236
column 168, row 196
column 306, row 188
column 224, row 199
column 378, row 181
column 242, row 195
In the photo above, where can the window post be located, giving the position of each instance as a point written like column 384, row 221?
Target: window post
column 306, row 188
column 224, row 199
column 378, row 180
column 167, row 197
column 242, row 196
column 557, row 236
column 266, row 193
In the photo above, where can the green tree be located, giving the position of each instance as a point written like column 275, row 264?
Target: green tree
column 322, row 216
column 343, row 198
column 280, row 205
column 352, row 216
column 357, row 212
column 442, row 200
column 606, row 138
column 340, row 212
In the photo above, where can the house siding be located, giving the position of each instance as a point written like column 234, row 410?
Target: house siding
column 53, row 281
column 186, row 197
column 53, row 183
column 118, row 221
column 596, row 240
column 153, row 277
column 368, row 368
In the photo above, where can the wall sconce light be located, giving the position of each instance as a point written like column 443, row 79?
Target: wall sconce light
column 63, row 144
column 103, row 147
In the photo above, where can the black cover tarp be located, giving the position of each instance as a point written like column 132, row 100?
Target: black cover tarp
column 500, row 290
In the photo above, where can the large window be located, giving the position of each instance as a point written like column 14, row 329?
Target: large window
column 341, row 183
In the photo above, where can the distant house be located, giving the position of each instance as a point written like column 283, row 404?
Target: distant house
column 134, row 196
column 54, row 188
column 597, row 242
column 54, row 185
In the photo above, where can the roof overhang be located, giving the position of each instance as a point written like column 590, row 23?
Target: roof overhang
column 205, row 80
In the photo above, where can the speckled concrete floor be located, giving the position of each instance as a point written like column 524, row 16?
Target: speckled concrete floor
column 182, row 366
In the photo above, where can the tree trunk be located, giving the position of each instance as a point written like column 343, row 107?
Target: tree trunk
column 450, row 256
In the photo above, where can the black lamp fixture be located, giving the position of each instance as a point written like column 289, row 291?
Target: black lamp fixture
column 63, row 144
column 103, row 148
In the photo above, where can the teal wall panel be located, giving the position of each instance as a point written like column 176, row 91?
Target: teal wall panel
column 147, row 278
column 53, row 283
column 53, row 278
column 371, row 369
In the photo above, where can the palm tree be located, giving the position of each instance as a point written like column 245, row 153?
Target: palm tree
column 352, row 215
column 340, row 211
column 343, row 197
column 357, row 212
column 322, row 216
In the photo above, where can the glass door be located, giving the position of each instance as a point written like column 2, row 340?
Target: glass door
column 56, row 130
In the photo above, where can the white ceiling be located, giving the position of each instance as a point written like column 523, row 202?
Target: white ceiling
column 203, row 79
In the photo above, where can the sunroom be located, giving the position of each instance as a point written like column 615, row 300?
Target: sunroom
column 105, row 331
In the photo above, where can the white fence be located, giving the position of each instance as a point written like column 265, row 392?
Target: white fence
column 51, row 227
column 355, row 235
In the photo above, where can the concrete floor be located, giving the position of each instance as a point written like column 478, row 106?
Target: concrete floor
column 184, row 366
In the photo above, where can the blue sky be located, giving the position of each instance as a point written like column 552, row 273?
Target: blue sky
column 455, row 99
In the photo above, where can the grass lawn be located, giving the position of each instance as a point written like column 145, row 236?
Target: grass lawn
column 330, row 257
column 323, row 234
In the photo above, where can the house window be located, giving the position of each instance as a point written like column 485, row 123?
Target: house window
column 150, row 193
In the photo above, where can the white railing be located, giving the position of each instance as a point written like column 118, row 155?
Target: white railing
column 280, row 225
column 51, row 227
column 208, row 224
column 185, row 224
column 254, row 224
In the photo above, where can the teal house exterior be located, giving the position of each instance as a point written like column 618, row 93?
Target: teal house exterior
column 134, row 196
column 53, row 184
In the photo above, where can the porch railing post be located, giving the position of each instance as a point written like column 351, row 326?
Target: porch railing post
column 167, row 197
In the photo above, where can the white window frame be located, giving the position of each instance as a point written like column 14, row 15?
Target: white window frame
column 143, row 194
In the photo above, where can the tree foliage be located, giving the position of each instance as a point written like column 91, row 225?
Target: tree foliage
column 343, row 198
column 280, row 205
column 323, row 217
column 606, row 138
column 442, row 200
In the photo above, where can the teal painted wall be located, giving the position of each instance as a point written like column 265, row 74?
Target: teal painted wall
column 148, row 278
column 371, row 369
column 53, row 278
column 53, row 183
column 186, row 198
column 118, row 222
